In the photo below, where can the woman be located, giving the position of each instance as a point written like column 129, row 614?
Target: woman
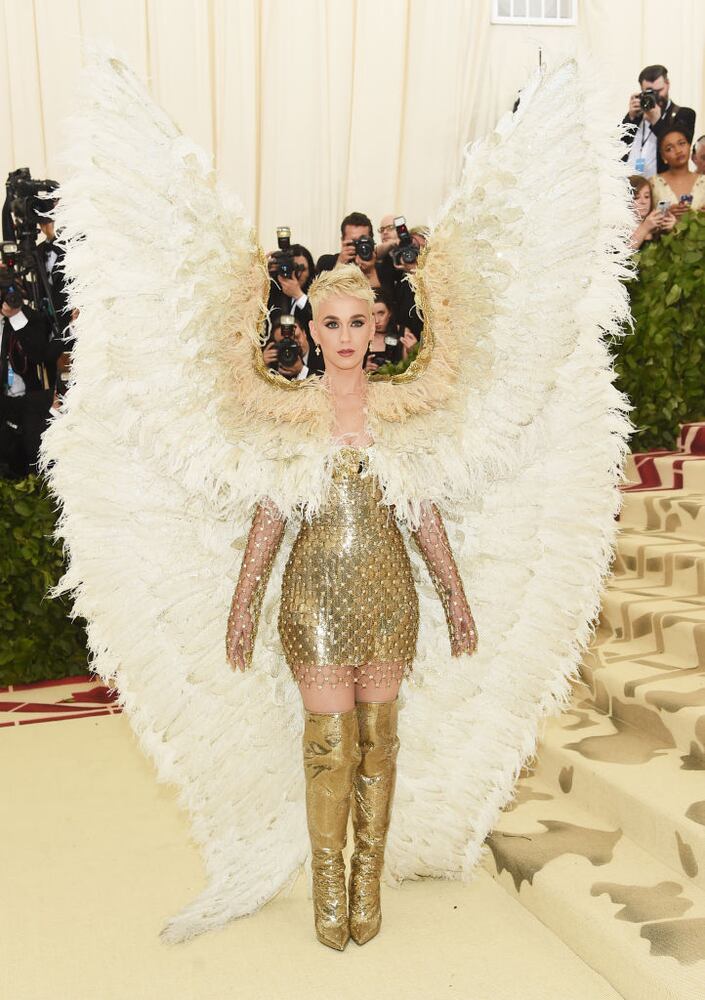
column 653, row 221
column 678, row 182
column 381, row 352
column 348, row 623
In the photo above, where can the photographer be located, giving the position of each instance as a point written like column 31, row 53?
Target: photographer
column 289, row 350
column 26, row 390
column 652, row 221
column 387, row 233
column 652, row 113
column 52, row 255
column 405, row 259
column 357, row 245
column 291, row 271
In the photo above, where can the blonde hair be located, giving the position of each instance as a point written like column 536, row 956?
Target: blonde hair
column 347, row 279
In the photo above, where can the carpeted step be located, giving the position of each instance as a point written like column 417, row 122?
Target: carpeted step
column 625, row 771
column 636, row 921
column 679, row 513
column 639, row 628
column 691, row 438
column 675, row 695
column 646, row 560
column 628, row 614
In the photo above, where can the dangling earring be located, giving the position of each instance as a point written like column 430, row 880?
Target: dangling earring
column 318, row 348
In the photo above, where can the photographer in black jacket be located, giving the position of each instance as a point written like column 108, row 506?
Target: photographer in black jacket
column 652, row 114
column 26, row 388
column 288, row 285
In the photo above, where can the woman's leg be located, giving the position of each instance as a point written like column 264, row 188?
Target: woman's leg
column 373, row 791
column 331, row 753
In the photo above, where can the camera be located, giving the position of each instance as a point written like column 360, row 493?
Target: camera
column 648, row 99
column 282, row 264
column 23, row 264
column 288, row 350
column 364, row 247
column 406, row 252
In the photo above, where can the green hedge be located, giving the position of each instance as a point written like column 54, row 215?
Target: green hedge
column 401, row 366
column 660, row 364
column 38, row 641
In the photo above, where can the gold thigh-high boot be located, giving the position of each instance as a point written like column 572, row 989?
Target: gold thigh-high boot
column 331, row 757
column 373, row 791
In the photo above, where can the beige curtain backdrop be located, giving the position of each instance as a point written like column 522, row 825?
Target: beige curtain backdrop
column 315, row 108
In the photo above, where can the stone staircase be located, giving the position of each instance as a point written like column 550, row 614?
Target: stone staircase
column 605, row 841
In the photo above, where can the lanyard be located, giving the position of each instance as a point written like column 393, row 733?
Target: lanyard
column 644, row 137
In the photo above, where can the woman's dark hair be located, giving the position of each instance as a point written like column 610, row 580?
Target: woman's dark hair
column 299, row 250
column 386, row 297
column 680, row 130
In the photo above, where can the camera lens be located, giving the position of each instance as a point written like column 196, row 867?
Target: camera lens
column 364, row 248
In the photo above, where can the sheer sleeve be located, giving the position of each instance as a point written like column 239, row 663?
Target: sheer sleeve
column 434, row 546
column 263, row 541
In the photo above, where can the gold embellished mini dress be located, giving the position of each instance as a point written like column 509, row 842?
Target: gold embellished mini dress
column 349, row 611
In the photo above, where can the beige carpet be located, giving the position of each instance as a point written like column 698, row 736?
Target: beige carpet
column 95, row 856
column 606, row 840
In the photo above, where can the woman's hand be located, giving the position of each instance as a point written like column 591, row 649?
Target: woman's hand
column 238, row 638
column 678, row 210
column 667, row 223
column 463, row 637
column 371, row 365
column 408, row 340
column 653, row 221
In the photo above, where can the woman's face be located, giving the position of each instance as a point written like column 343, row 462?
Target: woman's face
column 675, row 150
column 304, row 274
column 343, row 327
column 642, row 201
column 382, row 316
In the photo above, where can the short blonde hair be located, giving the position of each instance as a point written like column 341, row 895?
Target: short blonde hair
column 347, row 279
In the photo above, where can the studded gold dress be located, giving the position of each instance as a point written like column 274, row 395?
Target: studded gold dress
column 349, row 611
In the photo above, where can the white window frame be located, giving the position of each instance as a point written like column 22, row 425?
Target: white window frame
column 555, row 22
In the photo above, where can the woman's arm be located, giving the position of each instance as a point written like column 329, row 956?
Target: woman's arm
column 434, row 546
column 263, row 541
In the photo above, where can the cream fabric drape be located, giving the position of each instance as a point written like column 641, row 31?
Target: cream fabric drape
column 320, row 107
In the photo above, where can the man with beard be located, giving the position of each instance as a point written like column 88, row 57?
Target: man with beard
column 652, row 114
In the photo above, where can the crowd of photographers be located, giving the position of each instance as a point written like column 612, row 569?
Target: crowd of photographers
column 35, row 324
column 386, row 262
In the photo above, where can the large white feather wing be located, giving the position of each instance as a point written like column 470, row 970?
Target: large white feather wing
column 521, row 286
column 157, row 471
